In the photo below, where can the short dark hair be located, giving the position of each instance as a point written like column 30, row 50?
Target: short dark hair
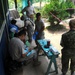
column 21, row 32
column 38, row 14
column 13, row 21
column 72, row 23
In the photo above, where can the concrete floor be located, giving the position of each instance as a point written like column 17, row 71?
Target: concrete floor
column 39, row 70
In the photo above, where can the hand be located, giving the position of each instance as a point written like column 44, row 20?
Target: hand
column 30, row 49
column 39, row 34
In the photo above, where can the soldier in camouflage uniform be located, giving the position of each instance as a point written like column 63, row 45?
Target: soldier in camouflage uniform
column 30, row 29
column 29, row 26
column 68, row 51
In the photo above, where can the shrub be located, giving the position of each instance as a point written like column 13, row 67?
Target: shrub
column 58, row 9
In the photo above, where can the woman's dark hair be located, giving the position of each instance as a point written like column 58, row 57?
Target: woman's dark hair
column 21, row 32
column 38, row 14
column 13, row 21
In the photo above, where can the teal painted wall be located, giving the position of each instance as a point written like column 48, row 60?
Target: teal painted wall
column 24, row 3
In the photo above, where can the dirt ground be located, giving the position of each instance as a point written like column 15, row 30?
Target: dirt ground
column 54, row 38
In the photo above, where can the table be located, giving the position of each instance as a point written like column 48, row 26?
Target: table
column 51, row 52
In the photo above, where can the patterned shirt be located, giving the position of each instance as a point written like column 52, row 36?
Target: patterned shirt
column 68, row 42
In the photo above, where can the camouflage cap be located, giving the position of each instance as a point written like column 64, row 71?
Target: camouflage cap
column 72, row 23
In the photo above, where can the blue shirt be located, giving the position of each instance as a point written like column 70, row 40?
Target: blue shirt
column 13, row 28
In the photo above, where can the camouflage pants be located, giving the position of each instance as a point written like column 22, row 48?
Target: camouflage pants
column 66, row 58
column 30, row 35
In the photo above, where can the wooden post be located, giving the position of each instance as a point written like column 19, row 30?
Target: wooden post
column 15, row 3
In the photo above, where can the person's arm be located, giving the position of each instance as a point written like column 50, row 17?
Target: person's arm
column 23, row 10
column 35, row 27
column 24, row 53
column 33, row 10
column 42, row 29
column 30, row 49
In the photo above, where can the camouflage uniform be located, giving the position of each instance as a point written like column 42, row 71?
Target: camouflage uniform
column 68, row 51
column 29, row 25
column 30, row 29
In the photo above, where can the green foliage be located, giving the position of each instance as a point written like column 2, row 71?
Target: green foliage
column 34, row 1
column 19, row 5
column 58, row 28
column 57, row 8
column 12, row 4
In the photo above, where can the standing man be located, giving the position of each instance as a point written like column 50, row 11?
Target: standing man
column 29, row 10
column 39, row 27
column 29, row 22
column 68, row 51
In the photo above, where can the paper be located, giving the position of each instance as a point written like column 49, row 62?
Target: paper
column 54, row 49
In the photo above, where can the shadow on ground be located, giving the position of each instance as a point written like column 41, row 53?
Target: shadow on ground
column 56, row 28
